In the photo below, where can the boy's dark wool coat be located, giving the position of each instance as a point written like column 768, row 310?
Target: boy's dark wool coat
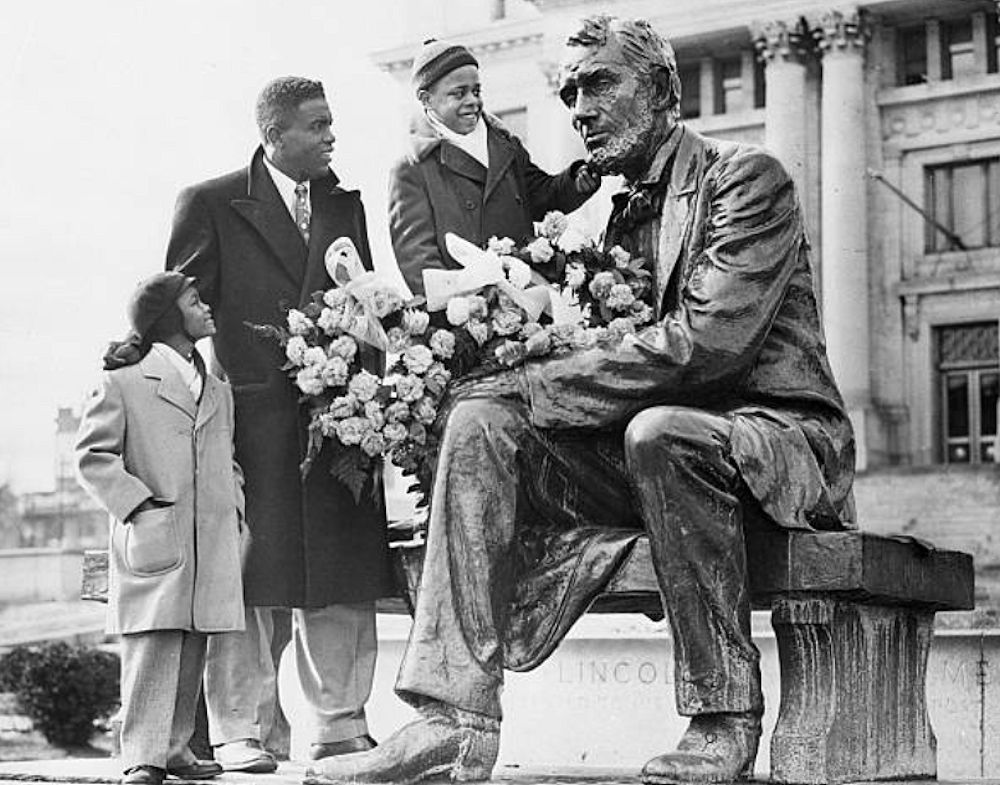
column 312, row 544
column 437, row 188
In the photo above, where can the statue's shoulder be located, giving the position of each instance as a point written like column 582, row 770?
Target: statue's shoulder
column 743, row 160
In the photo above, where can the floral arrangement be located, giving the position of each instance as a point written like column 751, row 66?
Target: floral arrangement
column 557, row 292
column 508, row 304
column 334, row 348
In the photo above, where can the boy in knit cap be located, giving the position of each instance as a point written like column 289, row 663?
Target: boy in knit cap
column 155, row 450
column 465, row 173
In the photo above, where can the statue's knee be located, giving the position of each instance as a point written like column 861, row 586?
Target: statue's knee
column 660, row 425
column 474, row 416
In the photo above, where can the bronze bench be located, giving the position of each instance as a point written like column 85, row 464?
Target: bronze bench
column 853, row 614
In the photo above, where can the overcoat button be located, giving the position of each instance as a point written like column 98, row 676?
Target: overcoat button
column 470, row 205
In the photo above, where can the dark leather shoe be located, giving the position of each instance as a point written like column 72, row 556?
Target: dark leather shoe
column 330, row 749
column 445, row 742
column 195, row 770
column 715, row 748
column 143, row 775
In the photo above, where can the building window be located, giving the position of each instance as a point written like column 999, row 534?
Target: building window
column 690, row 90
column 912, row 55
column 958, row 55
column 516, row 121
column 968, row 365
column 729, row 85
column 964, row 197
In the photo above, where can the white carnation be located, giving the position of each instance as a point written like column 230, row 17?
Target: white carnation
column 500, row 245
column 298, row 322
column 518, row 273
column 295, row 349
column 309, row 380
column 314, row 355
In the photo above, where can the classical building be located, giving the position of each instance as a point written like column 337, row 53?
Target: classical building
column 65, row 517
column 887, row 115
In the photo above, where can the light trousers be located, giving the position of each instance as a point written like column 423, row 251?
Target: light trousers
column 160, row 681
column 334, row 650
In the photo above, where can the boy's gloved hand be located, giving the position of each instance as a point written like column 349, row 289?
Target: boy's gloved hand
column 587, row 181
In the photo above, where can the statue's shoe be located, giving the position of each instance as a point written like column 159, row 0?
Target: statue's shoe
column 715, row 748
column 444, row 743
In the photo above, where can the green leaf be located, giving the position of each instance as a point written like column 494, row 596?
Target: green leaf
column 278, row 334
column 351, row 467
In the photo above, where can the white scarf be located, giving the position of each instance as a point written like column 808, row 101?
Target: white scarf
column 475, row 143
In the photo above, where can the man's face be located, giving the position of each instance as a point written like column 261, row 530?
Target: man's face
column 456, row 99
column 198, row 321
column 611, row 106
column 303, row 149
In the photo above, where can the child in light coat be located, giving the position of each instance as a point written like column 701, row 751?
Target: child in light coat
column 155, row 449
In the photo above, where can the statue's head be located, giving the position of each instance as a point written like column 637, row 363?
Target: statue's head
column 619, row 80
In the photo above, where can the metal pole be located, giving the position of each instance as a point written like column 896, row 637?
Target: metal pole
column 953, row 238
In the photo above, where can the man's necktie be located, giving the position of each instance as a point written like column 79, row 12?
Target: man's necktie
column 302, row 211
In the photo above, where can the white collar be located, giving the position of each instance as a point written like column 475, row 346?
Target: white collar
column 475, row 143
column 285, row 185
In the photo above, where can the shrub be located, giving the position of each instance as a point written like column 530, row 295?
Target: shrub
column 63, row 689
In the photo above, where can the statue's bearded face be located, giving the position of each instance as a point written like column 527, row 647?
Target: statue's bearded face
column 611, row 106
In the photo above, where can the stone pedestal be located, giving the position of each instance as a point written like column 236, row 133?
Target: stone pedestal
column 853, row 704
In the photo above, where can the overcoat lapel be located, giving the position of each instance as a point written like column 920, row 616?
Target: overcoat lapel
column 267, row 214
column 171, row 387
column 501, row 158
column 675, row 218
column 334, row 214
column 209, row 403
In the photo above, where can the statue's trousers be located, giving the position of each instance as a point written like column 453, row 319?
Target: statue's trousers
column 527, row 526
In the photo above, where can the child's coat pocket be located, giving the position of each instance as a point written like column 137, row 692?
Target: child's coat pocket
column 151, row 544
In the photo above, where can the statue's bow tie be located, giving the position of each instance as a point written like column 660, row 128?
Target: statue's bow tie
column 641, row 204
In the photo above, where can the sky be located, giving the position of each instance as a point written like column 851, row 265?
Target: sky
column 110, row 107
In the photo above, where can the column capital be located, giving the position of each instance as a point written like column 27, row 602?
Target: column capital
column 841, row 30
column 782, row 40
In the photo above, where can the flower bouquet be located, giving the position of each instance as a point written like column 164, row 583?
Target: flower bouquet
column 367, row 413
column 505, row 306
column 555, row 293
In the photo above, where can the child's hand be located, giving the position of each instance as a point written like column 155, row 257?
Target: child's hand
column 586, row 180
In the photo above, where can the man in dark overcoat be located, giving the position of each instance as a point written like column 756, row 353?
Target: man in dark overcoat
column 255, row 241
column 722, row 414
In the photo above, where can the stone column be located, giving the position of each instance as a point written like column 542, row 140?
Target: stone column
column 844, row 206
column 783, row 48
